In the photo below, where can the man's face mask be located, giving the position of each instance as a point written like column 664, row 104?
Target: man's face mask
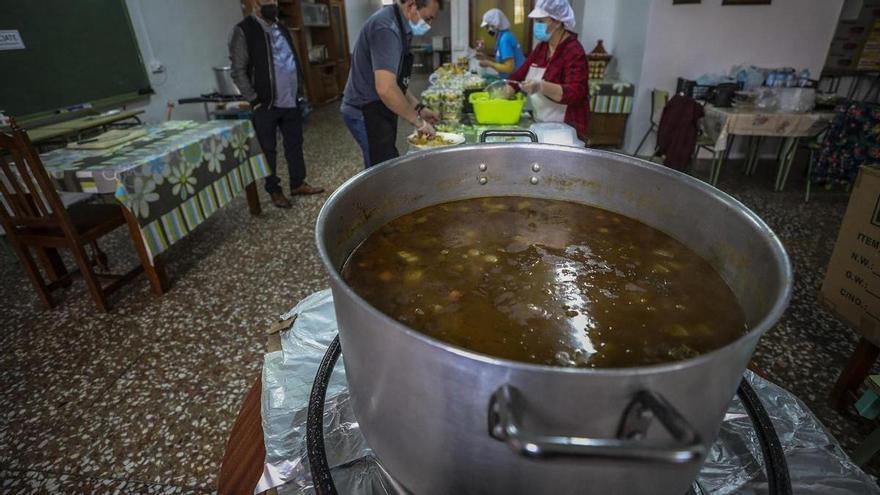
column 419, row 28
column 269, row 12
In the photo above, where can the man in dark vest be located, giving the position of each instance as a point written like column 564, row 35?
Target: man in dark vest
column 267, row 71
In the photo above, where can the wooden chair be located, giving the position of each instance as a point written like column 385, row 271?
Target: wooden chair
column 35, row 218
column 868, row 406
column 851, row 377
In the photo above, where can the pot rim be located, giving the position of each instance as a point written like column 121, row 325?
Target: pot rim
column 770, row 319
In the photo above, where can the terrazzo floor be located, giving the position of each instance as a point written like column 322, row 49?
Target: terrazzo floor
column 141, row 400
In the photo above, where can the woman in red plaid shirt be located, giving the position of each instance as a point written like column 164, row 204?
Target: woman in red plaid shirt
column 554, row 75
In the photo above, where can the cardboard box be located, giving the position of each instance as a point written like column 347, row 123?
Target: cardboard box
column 851, row 289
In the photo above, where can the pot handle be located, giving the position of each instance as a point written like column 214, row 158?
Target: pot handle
column 513, row 133
column 506, row 406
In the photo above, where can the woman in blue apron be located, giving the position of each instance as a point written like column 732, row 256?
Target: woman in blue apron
column 508, row 52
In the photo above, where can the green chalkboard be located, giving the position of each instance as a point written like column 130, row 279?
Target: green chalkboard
column 75, row 52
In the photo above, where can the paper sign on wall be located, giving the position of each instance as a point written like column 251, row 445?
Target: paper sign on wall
column 10, row 39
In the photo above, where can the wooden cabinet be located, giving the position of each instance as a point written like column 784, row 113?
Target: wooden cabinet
column 320, row 37
column 607, row 130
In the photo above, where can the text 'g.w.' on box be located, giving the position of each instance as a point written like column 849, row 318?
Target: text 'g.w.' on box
column 852, row 284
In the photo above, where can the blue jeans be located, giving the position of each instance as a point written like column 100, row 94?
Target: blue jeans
column 358, row 130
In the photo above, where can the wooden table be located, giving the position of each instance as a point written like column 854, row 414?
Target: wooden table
column 169, row 181
column 76, row 126
column 245, row 452
column 722, row 125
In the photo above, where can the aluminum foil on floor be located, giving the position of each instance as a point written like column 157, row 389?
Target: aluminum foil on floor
column 734, row 465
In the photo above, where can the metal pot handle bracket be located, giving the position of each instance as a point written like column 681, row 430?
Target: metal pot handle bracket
column 505, row 133
column 506, row 407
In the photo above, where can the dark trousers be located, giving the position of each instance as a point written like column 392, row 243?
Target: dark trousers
column 267, row 121
column 381, row 124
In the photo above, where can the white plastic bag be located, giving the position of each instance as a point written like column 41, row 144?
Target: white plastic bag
column 796, row 99
column 766, row 100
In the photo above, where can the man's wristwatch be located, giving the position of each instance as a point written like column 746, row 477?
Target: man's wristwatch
column 419, row 109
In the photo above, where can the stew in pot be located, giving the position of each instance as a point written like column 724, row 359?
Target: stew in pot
column 546, row 282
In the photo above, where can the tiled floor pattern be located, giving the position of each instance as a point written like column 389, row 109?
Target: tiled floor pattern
column 141, row 400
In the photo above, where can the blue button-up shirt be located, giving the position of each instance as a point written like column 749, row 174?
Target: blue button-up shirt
column 285, row 65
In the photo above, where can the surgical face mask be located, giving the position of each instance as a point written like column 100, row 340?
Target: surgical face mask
column 540, row 31
column 419, row 28
column 269, row 12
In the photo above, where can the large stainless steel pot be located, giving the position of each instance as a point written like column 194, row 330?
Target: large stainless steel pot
column 445, row 420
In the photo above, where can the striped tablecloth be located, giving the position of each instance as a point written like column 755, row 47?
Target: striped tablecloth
column 611, row 96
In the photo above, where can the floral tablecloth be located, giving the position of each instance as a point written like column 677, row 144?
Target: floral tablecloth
column 721, row 123
column 172, row 179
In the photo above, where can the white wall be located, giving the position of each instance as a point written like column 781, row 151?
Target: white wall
column 188, row 39
column 628, row 43
column 689, row 40
column 597, row 22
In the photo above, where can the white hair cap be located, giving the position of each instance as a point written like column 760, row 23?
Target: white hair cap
column 494, row 17
column 559, row 10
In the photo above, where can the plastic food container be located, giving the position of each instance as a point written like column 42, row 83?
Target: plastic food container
column 556, row 133
column 496, row 111
column 433, row 99
column 796, row 99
